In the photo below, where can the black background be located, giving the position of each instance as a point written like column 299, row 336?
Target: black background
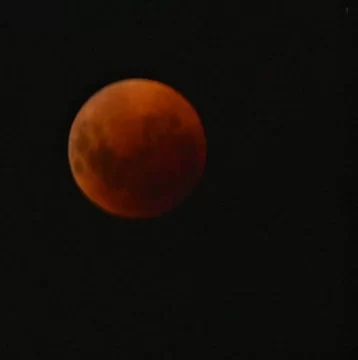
column 253, row 260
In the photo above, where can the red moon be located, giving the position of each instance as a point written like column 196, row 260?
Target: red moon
column 137, row 148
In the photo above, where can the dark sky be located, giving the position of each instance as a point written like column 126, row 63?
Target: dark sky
column 253, row 262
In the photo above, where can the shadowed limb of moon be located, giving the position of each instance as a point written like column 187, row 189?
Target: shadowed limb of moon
column 137, row 148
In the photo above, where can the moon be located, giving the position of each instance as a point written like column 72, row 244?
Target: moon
column 137, row 148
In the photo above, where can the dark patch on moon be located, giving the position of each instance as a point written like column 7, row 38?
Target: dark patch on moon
column 155, row 129
column 112, row 169
column 151, row 131
column 82, row 142
column 157, row 184
column 78, row 166
column 94, row 129
column 174, row 123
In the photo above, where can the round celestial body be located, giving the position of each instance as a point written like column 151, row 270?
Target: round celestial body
column 137, row 148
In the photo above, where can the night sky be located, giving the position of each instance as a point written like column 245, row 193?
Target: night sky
column 253, row 262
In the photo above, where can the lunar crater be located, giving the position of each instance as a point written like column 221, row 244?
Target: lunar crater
column 156, row 128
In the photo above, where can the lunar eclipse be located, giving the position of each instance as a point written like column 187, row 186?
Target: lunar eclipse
column 137, row 148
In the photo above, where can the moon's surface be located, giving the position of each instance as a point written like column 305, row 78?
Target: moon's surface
column 137, row 148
